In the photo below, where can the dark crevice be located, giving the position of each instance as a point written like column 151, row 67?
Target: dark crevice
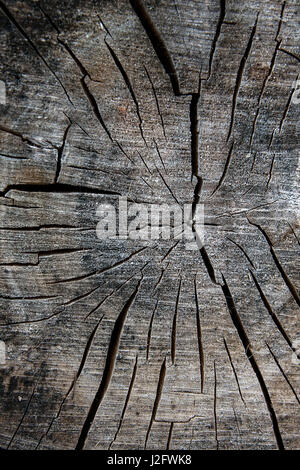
column 99, row 304
column 196, row 199
column 102, row 24
column 169, row 251
column 250, row 355
column 101, row 271
column 73, row 279
column 234, row 371
column 77, row 375
column 159, row 390
column 60, row 251
column 150, row 331
column 159, row 154
column 161, row 276
column 174, row 325
column 170, row 436
column 144, row 162
column 227, row 163
column 39, row 227
column 295, row 235
column 84, row 73
column 94, row 106
column 108, row 368
column 13, row 157
column 15, row 264
column 270, row 311
column 21, row 136
column 24, row 322
column 56, row 188
column 284, row 374
column 167, row 186
column 271, row 139
column 194, row 128
column 27, row 38
column 79, row 64
column 242, row 250
column 124, row 260
column 291, row 54
column 24, row 414
column 280, row 21
column 217, row 34
column 208, row 265
column 215, row 406
column 195, row 173
column 278, row 264
column 195, row 131
column 270, row 71
column 271, row 171
column 34, row 297
column 240, row 76
column 157, row 42
column 60, row 151
column 81, row 296
column 286, row 109
column 129, row 86
column 150, row 187
column 126, row 401
column 157, row 102
column 114, row 291
column 199, row 338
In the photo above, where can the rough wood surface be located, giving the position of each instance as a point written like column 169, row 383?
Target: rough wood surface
column 129, row 344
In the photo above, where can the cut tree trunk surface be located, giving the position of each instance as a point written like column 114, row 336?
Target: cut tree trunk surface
column 127, row 343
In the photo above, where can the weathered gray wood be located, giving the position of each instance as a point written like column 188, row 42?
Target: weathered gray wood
column 156, row 101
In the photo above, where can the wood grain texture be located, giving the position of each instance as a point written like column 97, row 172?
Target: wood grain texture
column 132, row 344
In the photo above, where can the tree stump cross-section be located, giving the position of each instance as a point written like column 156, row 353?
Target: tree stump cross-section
column 124, row 343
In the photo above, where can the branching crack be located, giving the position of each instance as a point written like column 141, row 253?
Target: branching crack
column 157, row 102
column 21, row 136
column 227, row 163
column 77, row 375
column 284, row 276
column 250, row 355
column 126, row 402
column 85, row 74
column 101, row 271
column 270, row 311
column 270, row 71
column 129, row 86
column 108, row 368
column 24, row 414
column 13, row 20
column 291, row 54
